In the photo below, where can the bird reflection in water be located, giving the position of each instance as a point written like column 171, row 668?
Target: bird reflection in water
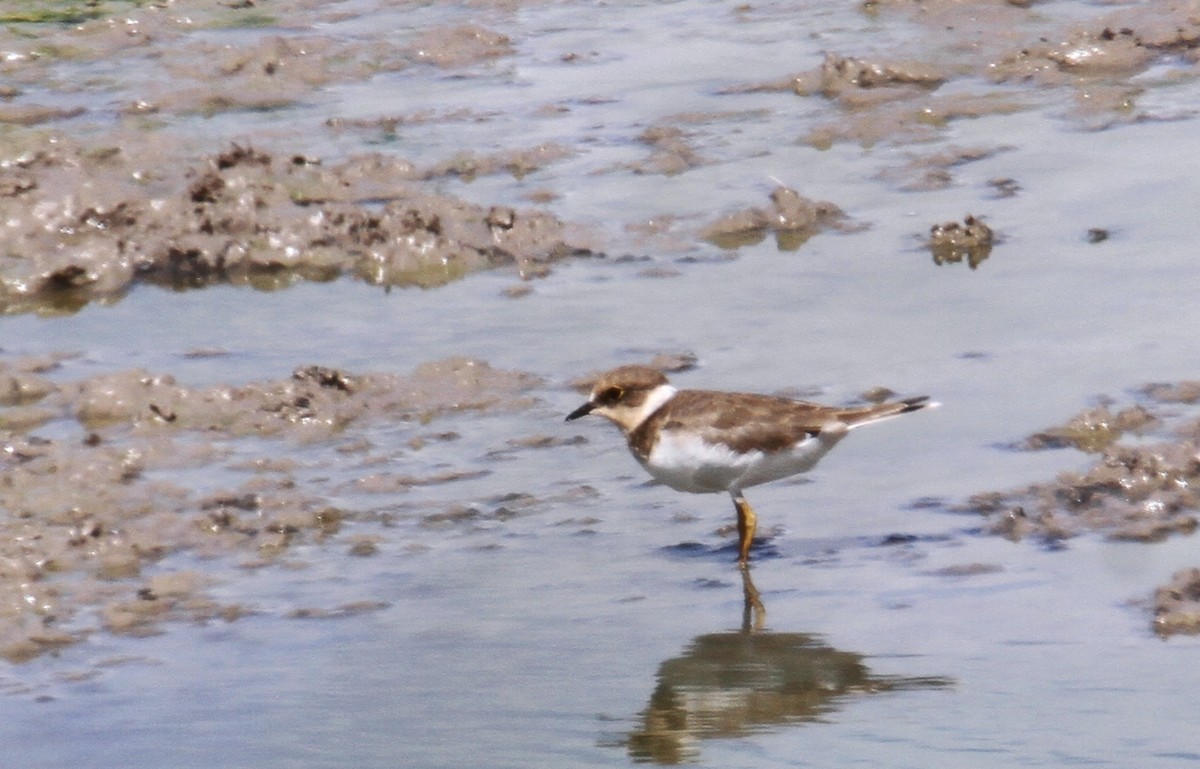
column 752, row 680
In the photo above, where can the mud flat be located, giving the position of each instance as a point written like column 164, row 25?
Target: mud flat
column 1139, row 486
column 327, row 522
column 81, row 226
column 792, row 218
column 99, row 195
column 91, row 511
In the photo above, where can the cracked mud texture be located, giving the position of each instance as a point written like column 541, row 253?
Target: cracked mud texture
column 93, row 509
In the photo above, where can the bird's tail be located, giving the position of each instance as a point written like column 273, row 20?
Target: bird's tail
column 866, row 415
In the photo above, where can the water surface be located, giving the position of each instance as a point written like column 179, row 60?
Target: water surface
column 541, row 638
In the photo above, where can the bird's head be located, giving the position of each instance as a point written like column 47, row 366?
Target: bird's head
column 626, row 396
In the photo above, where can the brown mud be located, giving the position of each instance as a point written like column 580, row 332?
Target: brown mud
column 792, row 219
column 988, row 43
column 81, row 227
column 1176, row 605
column 951, row 242
column 1140, row 486
column 88, row 516
column 96, row 201
column 100, row 197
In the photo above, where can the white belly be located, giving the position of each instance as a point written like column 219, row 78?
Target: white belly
column 686, row 463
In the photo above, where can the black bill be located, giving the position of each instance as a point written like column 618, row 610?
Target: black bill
column 582, row 411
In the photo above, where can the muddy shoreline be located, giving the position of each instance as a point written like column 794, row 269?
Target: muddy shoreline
column 99, row 197
column 89, row 515
column 80, row 230
column 1138, row 484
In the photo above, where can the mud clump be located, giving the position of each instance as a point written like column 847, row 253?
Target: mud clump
column 1091, row 431
column 792, row 218
column 94, row 513
column 1176, row 605
column 1100, row 64
column 1113, row 49
column 518, row 163
column 199, row 74
column 242, row 216
column 671, row 152
column 315, row 402
column 889, row 101
column 951, row 242
column 849, row 79
column 1141, row 491
column 1186, row 392
column 934, row 171
column 450, row 47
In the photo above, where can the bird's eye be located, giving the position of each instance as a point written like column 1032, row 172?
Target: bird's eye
column 611, row 395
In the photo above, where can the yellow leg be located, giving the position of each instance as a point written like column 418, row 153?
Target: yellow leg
column 746, row 523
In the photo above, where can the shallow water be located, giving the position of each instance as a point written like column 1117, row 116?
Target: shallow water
column 540, row 638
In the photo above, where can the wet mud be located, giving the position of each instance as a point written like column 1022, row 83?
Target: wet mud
column 100, row 197
column 185, row 144
column 1139, row 485
column 924, row 172
column 81, row 227
column 954, row 243
column 791, row 218
column 92, row 511
column 1176, row 605
column 96, row 202
column 905, row 98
